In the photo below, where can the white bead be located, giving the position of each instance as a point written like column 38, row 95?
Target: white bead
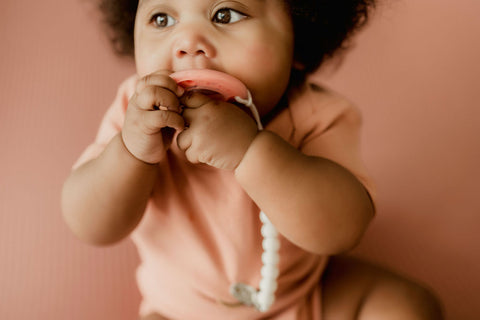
column 269, row 231
column 264, row 297
column 270, row 244
column 268, row 285
column 265, row 300
column 269, row 272
column 264, row 218
column 270, row 258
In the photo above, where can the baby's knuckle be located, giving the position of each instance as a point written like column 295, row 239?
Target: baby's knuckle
column 149, row 92
column 160, row 96
column 191, row 155
column 142, row 83
column 206, row 157
column 161, row 118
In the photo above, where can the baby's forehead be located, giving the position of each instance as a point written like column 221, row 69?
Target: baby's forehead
column 147, row 1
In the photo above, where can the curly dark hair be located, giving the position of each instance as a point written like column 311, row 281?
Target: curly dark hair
column 322, row 28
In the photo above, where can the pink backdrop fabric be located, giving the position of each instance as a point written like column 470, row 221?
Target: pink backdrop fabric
column 414, row 72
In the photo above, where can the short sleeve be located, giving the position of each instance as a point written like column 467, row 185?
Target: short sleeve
column 111, row 123
column 328, row 125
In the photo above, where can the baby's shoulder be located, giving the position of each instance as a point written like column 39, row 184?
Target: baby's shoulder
column 317, row 104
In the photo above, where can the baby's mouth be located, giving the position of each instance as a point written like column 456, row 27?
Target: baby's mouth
column 218, row 85
column 210, row 93
column 212, row 83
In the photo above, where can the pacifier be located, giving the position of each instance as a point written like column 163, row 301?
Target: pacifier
column 218, row 85
column 229, row 88
column 211, row 82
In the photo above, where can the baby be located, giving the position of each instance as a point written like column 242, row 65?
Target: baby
column 186, row 174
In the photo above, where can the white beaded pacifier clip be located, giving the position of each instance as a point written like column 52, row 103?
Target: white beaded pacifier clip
column 230, row 88
column 264, row 297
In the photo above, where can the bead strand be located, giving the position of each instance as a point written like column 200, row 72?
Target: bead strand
column 264, row 297
column 270, row 259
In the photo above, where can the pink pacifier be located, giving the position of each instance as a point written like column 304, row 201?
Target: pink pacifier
column 217, row 84
column 206, row 80
column 229, row 88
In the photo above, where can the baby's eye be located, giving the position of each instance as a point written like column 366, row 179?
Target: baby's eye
column 226, row 15
column 163, row 20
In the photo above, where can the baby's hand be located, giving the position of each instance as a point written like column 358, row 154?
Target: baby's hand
column 218, row 134
column 152, row 117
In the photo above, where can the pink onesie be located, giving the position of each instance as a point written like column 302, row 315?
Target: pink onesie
column 201, row 232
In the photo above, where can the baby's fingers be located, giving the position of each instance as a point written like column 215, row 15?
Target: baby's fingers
column 159, row 79
column 155, row 98
column 154, row 121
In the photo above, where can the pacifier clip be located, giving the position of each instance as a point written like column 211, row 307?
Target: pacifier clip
column 231, row 88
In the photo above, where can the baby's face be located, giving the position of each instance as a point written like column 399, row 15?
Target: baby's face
column 250, row 39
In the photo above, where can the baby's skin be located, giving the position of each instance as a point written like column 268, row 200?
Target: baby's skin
column 105, row 198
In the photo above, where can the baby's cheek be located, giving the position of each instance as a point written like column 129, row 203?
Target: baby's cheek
column 266, row 74
column 263, row 58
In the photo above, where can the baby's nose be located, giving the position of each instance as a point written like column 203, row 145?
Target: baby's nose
column 192, row 43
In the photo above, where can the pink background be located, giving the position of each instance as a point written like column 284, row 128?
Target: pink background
column 414, row 73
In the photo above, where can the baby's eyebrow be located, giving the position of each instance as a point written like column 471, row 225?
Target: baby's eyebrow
column 146, row 2
column 143, row 1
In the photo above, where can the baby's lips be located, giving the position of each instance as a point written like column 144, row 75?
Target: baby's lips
column 210, row 80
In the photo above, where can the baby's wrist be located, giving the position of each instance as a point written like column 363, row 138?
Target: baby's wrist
column 132, row 154
column 260, row 138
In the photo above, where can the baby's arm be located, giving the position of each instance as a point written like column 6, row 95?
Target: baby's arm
column 314, row 202
column 104, row 199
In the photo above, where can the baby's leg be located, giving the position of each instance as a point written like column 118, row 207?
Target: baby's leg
column 153, row 316
column 355, row 290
